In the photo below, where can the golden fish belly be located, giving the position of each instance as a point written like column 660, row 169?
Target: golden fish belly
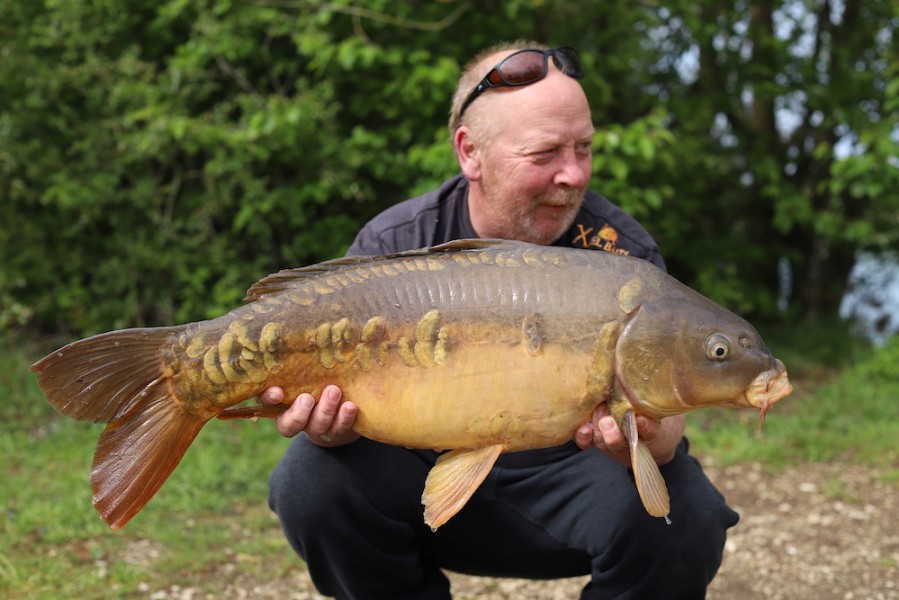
column 487, row 394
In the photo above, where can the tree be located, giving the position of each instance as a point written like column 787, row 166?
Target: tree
column 158, row 157
column 787, row 116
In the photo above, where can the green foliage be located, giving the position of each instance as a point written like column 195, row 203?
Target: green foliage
column 630, row 161
column 786, row 125
column 883, row 364
column 156, row 158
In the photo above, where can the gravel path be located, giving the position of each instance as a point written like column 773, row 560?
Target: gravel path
column 814, row 531
column 817, row 531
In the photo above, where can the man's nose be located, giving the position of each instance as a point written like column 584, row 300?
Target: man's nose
column 573, row 171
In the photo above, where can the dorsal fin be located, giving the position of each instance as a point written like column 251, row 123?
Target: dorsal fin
column 477, row 244
column 287, row 278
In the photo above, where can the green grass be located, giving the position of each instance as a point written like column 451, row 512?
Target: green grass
column 210, row 525
column 211, row 513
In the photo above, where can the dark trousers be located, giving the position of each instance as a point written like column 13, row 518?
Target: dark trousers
column 354, row 514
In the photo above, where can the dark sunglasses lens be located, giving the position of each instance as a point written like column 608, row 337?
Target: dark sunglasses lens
column 569, row 61
column 520, row 69
column 525, row 67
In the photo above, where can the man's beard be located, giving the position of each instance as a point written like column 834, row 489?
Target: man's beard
column 517, row 220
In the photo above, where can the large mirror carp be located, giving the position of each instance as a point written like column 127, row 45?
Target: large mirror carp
column 477, row 347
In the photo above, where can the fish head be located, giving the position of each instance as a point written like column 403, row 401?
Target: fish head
column 681, row 351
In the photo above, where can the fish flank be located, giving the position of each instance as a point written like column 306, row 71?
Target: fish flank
column 531, row 334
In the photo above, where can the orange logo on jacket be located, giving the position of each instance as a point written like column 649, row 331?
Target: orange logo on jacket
column 605, row 239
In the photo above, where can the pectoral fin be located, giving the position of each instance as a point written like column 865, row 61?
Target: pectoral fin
column 650, row 483
column 452, row 481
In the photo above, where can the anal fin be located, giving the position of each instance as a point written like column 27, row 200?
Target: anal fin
column 453, row 480
column 253, row 412
column 650, row 483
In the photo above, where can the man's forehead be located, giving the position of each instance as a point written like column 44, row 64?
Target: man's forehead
column 553, row 107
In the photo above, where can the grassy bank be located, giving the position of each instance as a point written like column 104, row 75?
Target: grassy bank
column 213, row 512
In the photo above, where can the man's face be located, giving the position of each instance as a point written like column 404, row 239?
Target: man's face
column 535, row 169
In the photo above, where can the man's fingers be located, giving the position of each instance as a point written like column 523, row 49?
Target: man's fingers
column 583, row 436
column 647, row 428
column 608, row 435
column 611, row 441
column 296, row 417
column 346, row 416
column 271, row 396
column 325, row 412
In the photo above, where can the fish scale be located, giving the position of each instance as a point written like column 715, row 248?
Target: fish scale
column 478, row 347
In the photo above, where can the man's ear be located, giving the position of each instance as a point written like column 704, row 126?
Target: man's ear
column 467, row 153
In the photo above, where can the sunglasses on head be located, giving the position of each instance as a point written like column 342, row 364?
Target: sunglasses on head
column 526, row 67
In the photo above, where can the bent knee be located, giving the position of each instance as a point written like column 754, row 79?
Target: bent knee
column 313, row 483
column 301, row 487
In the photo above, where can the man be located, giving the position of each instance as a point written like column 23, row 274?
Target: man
column 351, row 508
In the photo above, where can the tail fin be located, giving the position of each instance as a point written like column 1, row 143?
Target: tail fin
column 137, row 453
column 118, row 378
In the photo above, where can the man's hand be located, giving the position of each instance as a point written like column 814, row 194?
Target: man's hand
column 327, row 422
column 662, row 437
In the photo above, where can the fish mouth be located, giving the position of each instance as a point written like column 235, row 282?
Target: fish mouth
column 766, row 389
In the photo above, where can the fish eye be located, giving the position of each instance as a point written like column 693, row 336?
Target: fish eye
column 717, row 347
